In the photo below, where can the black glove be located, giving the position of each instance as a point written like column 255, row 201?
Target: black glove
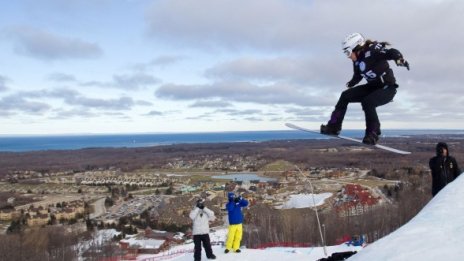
column 402, row 62
column 237, row 199
column 349, row 85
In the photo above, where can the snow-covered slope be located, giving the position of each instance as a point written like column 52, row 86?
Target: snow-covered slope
column 436, row 233
column 269, row 254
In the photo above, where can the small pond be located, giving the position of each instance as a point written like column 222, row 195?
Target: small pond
column 243, row 177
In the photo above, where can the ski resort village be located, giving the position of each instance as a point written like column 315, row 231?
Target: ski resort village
column 349, row 192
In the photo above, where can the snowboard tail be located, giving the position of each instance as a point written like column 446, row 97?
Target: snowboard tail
column 383, row 147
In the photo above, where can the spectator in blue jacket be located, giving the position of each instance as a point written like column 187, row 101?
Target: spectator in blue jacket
column 234, row 210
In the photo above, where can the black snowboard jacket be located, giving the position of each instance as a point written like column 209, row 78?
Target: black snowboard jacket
column 372, row 65
column 444, row 168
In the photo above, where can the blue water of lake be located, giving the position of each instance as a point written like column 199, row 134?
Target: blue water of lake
column 243, row 177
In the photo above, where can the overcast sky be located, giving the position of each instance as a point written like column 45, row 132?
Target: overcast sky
column 104, row 66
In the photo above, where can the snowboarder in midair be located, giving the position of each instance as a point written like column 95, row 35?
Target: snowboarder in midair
column 370, row 61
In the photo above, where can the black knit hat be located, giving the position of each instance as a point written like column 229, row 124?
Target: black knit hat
column 439, row 148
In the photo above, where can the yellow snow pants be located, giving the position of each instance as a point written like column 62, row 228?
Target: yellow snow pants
column 234, row 237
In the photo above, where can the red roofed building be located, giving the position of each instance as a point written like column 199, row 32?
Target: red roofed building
column 355, row 200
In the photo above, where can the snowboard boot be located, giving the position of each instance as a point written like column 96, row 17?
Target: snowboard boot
column 334, row 126
column 372, row 133
column 370, row 138
column 331, row 129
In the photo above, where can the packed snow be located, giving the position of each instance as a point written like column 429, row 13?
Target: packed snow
column 185, row 252
column 305, row 200
column 145, row 243
column 436, row 233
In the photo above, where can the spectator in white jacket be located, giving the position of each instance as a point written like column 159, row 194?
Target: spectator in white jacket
column 201, row 216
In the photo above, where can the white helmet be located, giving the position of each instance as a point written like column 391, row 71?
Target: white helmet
column 351, row 42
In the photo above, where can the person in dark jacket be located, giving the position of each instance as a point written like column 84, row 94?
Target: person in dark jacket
column 234, row 211
column 370, row 61
column 444, row 168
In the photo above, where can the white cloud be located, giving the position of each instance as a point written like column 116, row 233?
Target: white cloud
column 74, row 98
column 3, row 81
column 302, row 25
column 61, row 114
column 61, row 77
column 233, row 112
column 161, row 61
column 241, row 92
column 44, row 45
column 209, row 23
column 16, row 103
column 134, row 81
column 211, row 104
column 154, row 113
column 72, row 104
column 305, row 71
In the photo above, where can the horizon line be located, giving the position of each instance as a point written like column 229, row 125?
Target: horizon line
column 5, row 135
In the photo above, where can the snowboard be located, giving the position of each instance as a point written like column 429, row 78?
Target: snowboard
column 383, row 147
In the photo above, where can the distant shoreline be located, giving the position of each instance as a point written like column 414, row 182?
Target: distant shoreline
column 233, row 156
column 75, row 142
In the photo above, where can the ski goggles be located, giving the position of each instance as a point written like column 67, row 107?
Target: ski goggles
column 347, row 52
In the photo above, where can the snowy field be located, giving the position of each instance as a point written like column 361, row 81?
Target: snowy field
column 271, row 254
column 305, row 200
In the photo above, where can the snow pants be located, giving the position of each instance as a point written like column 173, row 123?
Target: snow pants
column 370, row 96
column 197, row 239
column 234, row 237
